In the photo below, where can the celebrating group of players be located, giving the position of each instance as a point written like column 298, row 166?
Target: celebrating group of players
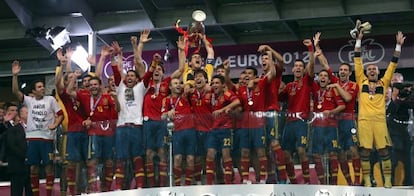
column 218, row 125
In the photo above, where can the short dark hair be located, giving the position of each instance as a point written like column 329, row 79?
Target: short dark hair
column 161, row 64
column 134, row 71
column 87, row 76
column 221, row 66
column 347, row 64
column 220, row 77
column 252, row 68
column 264, row 53
column 200, row 71
column 300, row 60
column 324, row 70
column 32, row 85
column 7, row 105
column 96, row 78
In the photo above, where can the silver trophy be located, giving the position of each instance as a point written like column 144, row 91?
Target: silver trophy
column 196, row 28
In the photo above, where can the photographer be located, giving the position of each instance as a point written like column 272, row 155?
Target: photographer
column 402, row 100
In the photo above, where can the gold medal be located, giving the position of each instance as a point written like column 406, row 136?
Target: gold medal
column 153, row 96
column 371, row 97
column 75, row 107
column 91, row 114
column 250, row 102
column 319, row 106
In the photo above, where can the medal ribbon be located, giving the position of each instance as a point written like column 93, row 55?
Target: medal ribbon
column 345, row 84
column 157, row 88
column 94, row 104
column 74, row 102
column 200, row 95
column 320, row 97
column 173, row 106
column 249, row 95
column 372, row 89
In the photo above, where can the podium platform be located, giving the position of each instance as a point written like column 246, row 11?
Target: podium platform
column 265, row 190
column 247, row 190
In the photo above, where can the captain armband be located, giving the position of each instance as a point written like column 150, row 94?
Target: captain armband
column 395, row 59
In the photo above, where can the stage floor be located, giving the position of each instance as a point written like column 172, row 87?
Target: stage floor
column 250, row 190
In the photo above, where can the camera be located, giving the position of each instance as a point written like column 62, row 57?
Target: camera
column 405, row 89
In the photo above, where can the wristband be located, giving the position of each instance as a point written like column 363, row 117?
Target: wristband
column 398, row 47
column 310, row 48
column 358, row 43
column 92, row 69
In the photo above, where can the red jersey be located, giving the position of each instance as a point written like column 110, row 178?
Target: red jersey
column 272, row 92
column 102, row 112
column 201, row 102
column 154, row 96
column 327, row 99
column 297, row 94
column 75, row 113
column 224, row 121
column 352, row 88
column 183, row 112
column 253, row 103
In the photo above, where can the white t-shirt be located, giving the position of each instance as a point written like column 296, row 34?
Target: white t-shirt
column 41, row 114
column 130, row 101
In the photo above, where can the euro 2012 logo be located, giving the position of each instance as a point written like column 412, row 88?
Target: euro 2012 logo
column 372, row 52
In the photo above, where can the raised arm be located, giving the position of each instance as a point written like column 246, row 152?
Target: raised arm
column 59, row 71
column 15, row 82
column 138, row 61
column 230, row 84
column 321, row 57
column 181, row 58
column 359, row 69
column 277, row 55
column 70, row 90
column 209, row 47
column 310, row 67
column 105, row 51
column 272, row 69
column 400, row 38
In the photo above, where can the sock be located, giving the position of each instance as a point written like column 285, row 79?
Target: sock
column 290, row 168
column 198, row 168
column 71, row 179
column 163, row 173
column 92, row 181
column 119, row 174
column 280, row 162
column 228, row 171
column 366, row 169
column 356, row 164
column 345, row 171
column 334, row 169
column 244, row 168
column 50, row 178
column 189, row 175
column 139, row 172
column 177, row 176
column 34, row 181
column 210, row 171
column 305, row 172
column 386, row 170
column 150, row 174
column 263, row 168
column 319, row 170
column 109, row 175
